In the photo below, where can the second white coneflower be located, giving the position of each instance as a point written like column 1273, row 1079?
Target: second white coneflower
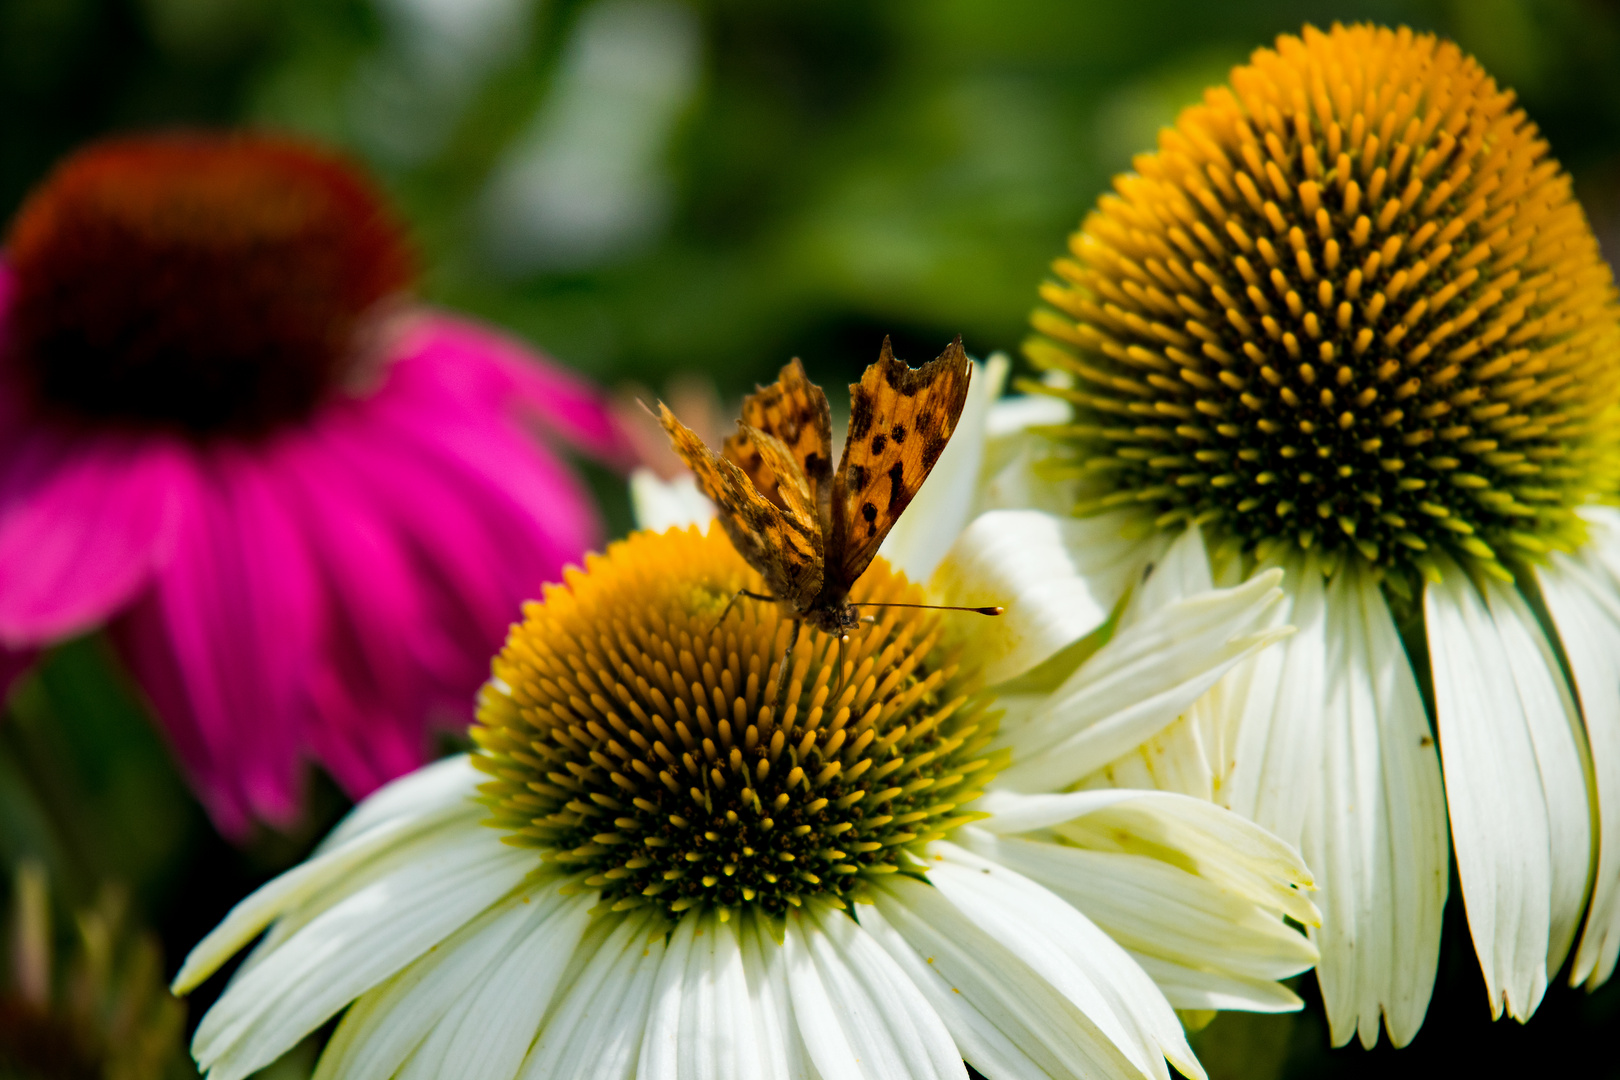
column 1349, row 320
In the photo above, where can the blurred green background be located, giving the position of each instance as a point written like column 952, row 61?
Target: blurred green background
column 649, row 187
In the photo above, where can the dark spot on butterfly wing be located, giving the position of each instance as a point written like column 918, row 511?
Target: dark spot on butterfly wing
column 878, row 443
column 860, row 413
column 898, row 434
column 898, row 495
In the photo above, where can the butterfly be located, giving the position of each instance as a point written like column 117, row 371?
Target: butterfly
column 810, row 531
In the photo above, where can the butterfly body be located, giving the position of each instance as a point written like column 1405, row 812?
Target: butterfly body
column 811, row 531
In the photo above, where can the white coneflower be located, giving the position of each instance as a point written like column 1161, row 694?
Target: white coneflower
column 654, row 866
column 1349, row 321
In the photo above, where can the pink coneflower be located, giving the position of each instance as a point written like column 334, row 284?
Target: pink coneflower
column 305, row 509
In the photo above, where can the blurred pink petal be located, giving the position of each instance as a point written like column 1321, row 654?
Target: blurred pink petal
column 332, row 592
column 83, row 524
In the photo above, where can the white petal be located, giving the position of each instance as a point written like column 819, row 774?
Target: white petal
column 1376, row 831
column 1218, row 845
column 1193, row 988
column 700, row 1026
column 820, row 1026
column 987, row 1047
column 408, row 808
column 890, row 1025
column 661, row 1040
column 594, row 1029
column 659, row 504
column 382, row 1028
column 1142, row 680
column 1583, row 596
column 1181, row 572
column 859, row 1014
column 717, row 1009
column 1017, row 414
column 1156, row 908
column 1014, row 455
column 356, row 944
column 944, row 503
column 1066, row 948
column 1058, row 578
column 488, row 1032
column 1008, row 1020
column 452, row 781
column 1279, row 752
column 765, row 965
column 1494, row 692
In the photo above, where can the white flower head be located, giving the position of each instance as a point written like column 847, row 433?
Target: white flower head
column 659, row 865
column 1348, row 321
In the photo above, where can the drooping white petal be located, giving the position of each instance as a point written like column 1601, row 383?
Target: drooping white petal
column 409, row 808
column 859, row 1016
column 1583, row 596
column 382, row 1028
column 1510, row 766
column 1142, row 680
column 1279, row 741
column 1375, row 833
column 1218, row 845
column 354, row 945
column 1070, row 952
column 945, row 502
column 659, row 504
column 1058, row 578
column 765, row 965
column 486, row 1034
column 1156, row 908
column 599, row 1012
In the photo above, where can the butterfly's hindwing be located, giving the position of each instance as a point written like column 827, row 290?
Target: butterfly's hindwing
column 784, row 543
column 794, row 410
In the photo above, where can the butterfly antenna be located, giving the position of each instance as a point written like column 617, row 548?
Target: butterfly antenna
column 835, row 692
column 992, row 610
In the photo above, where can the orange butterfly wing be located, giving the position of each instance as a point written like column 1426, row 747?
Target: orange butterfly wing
column 900, row 419
column 794, row 410
column 783, row 542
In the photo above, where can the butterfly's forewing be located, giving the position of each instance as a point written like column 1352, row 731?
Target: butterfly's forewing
column 899, row 422
column 794, row 410
column 784, row 543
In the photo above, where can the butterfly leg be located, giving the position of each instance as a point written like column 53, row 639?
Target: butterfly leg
column 738, row 595
column 781, row 672
column 838, row 685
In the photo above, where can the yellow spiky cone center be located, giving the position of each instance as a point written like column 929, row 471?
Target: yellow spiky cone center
column 633, row 735
column 1349, row 304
